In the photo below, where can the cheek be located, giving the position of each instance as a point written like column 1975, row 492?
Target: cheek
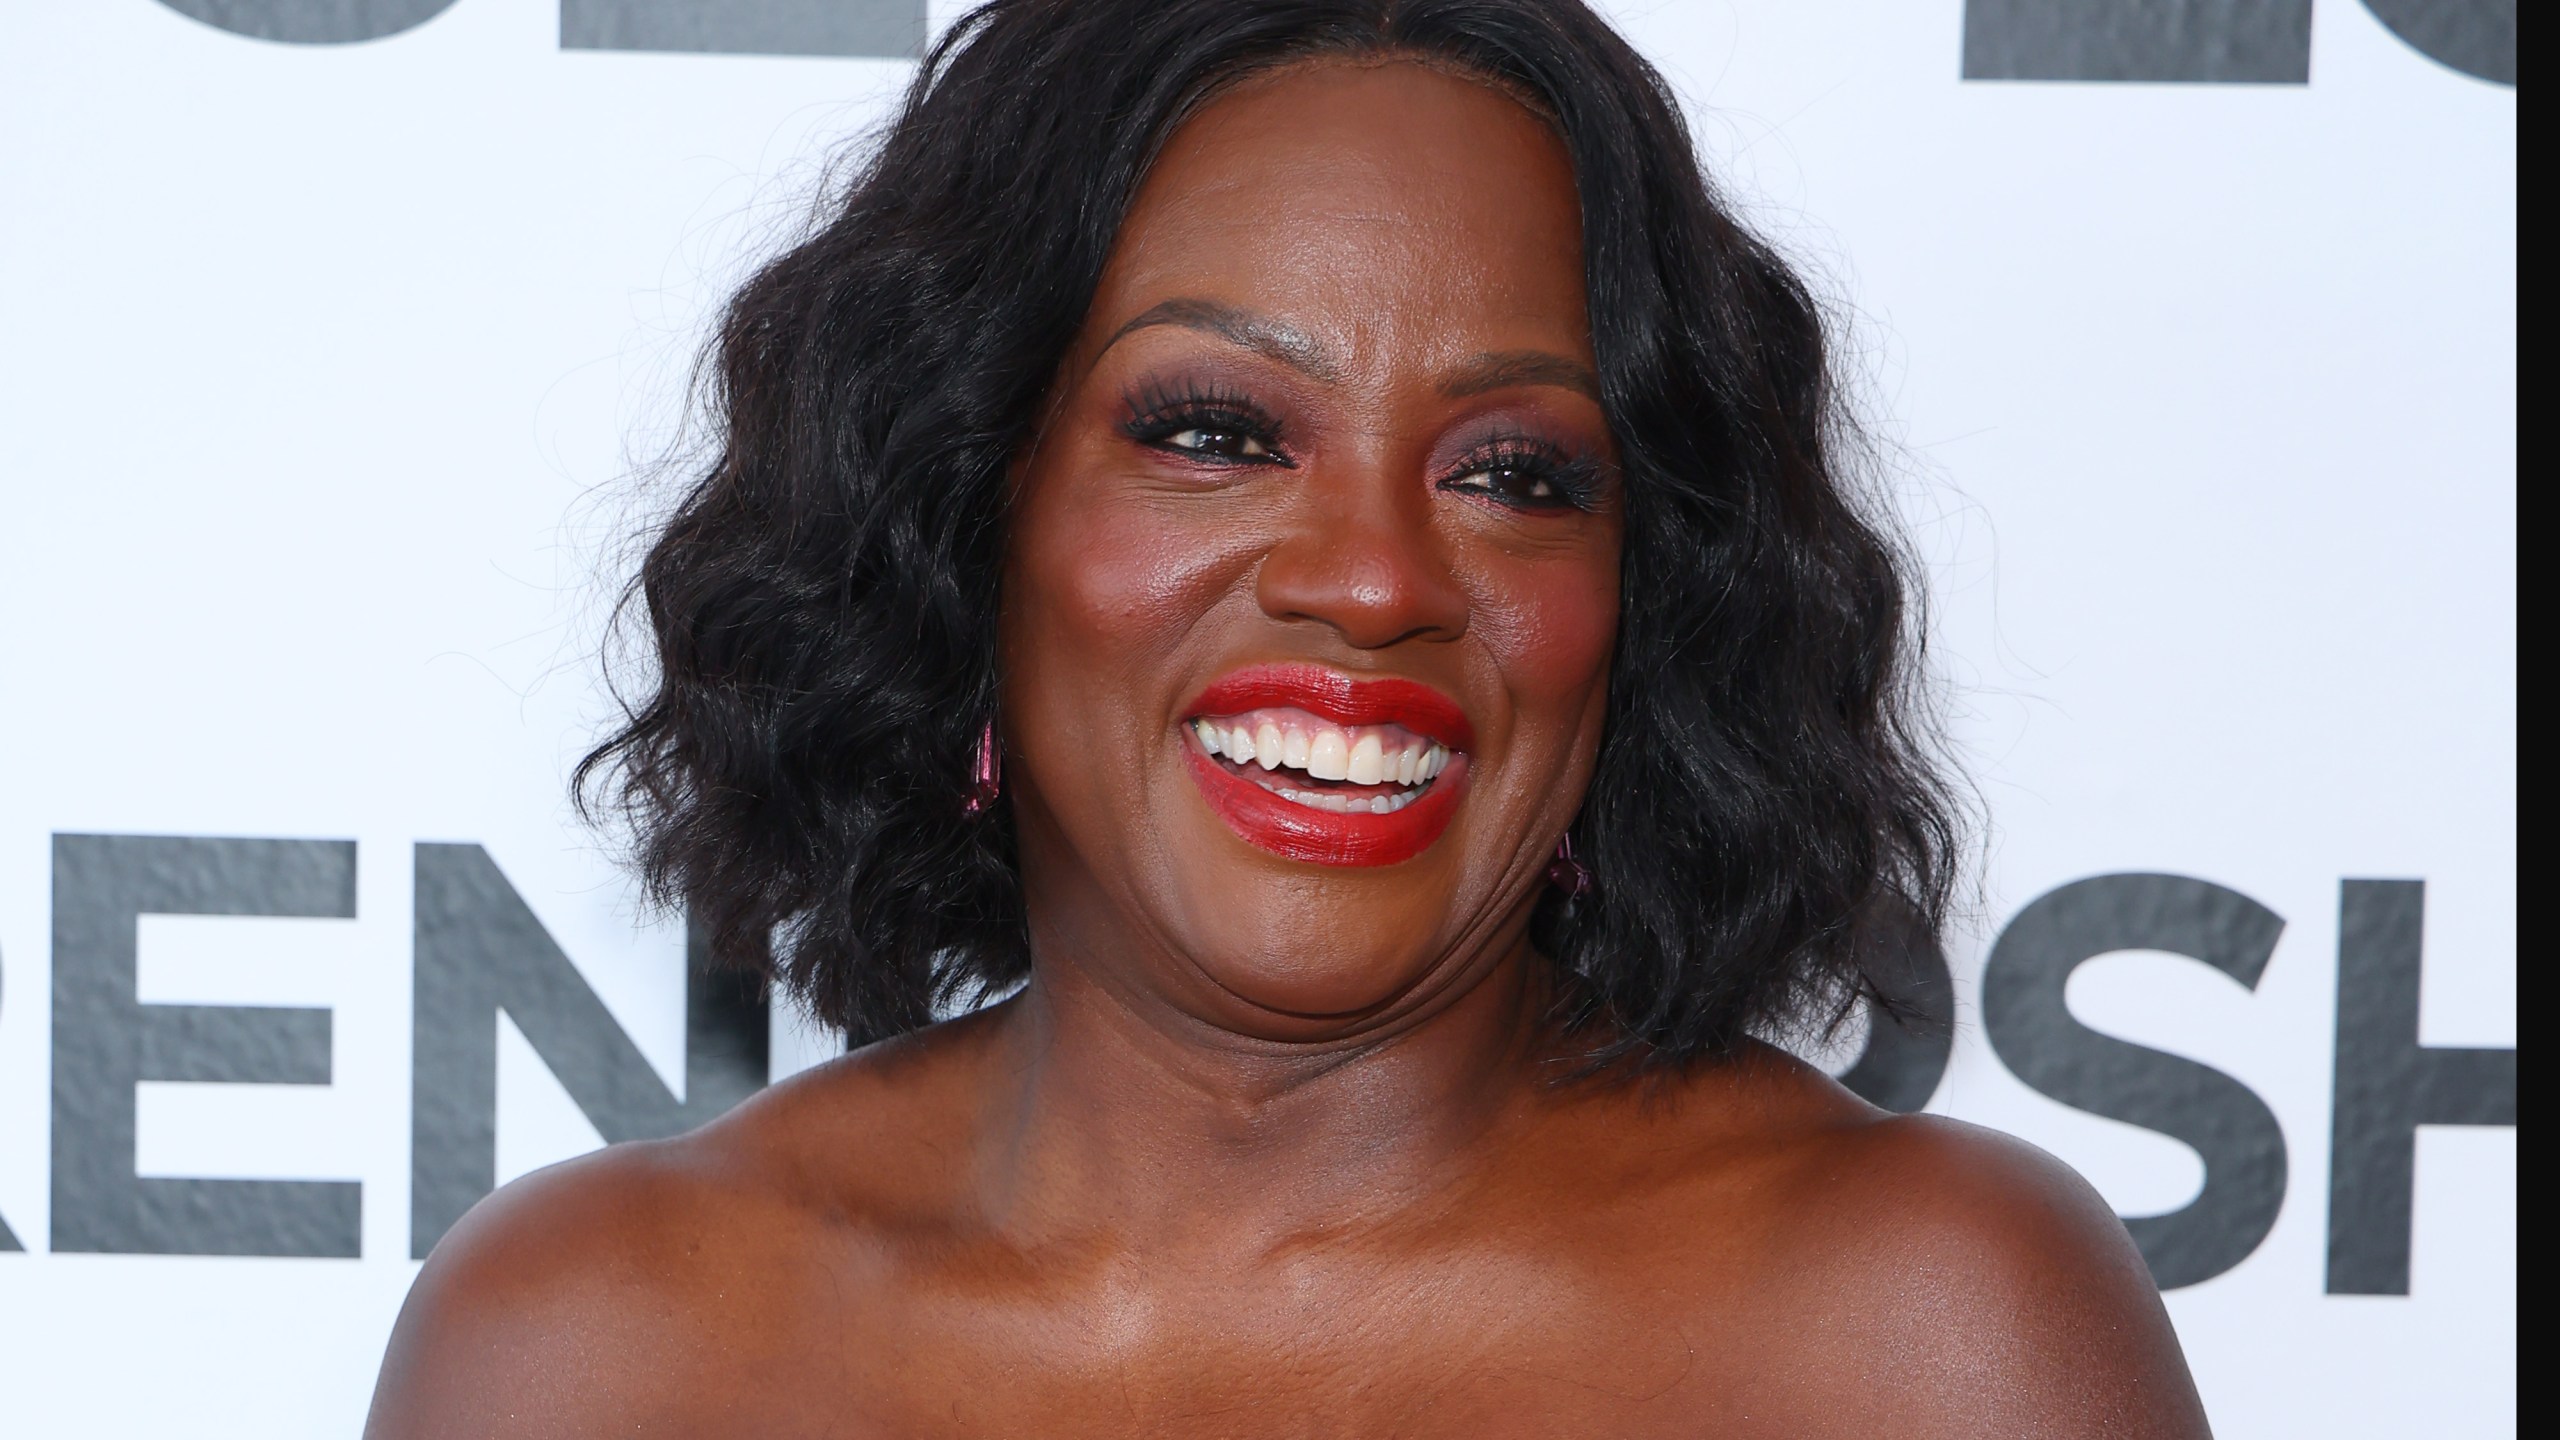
column 1551, row 628
column 1100, row 591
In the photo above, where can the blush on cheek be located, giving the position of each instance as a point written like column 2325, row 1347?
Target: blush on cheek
column 1553, row 633
column 1099, row 570
column 1131, row 587
column 1103, row 588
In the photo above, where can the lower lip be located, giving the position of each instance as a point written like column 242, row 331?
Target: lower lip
column 1322, row 837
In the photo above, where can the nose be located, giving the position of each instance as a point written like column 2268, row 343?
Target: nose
column 1363, row 561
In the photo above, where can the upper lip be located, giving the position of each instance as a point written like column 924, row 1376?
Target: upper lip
column 1343, row 699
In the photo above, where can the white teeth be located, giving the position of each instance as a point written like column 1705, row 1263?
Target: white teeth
column 1368, row 761
column 1320, row 750
column 1348, row 804
column 1329, row 756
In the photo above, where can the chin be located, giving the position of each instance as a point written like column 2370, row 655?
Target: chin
column 1297, row 958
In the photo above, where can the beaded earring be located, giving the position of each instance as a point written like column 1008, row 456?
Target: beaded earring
column 987, row 778
column 1568, row 874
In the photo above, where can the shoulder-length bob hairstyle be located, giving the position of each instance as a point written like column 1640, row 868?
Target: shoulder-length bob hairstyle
column 823, row 602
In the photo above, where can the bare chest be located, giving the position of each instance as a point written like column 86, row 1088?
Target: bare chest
column 1309, row 1350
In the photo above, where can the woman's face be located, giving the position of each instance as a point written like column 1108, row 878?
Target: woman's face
column 1313, row 566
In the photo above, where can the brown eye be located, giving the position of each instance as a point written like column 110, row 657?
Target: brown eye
column 1214, row 427
column 1528, row 475
column 1219, row 443
column 1517, row 483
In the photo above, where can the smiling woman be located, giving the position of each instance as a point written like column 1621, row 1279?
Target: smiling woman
column 1302, row 537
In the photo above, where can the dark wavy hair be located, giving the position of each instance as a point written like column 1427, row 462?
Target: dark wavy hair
column 823, row 601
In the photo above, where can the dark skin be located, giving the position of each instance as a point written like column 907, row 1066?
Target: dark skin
column 1270, row 1148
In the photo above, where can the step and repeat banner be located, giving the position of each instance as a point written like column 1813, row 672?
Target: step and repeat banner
column 340, row 340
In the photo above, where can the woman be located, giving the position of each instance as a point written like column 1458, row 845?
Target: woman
column 1298, row 534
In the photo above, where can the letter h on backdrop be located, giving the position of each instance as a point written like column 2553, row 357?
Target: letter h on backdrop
column 2388, row 1085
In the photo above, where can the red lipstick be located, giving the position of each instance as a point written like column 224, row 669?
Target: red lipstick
column 1340, row 698
column 1302, row 832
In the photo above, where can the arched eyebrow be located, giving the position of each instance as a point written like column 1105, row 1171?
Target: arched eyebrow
column 1500, row 370
column 1278, row 340
column 1275, row 339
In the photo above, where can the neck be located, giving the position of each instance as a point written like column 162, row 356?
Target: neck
column 1122, row 1112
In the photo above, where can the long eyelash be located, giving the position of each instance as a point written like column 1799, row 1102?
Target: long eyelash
column 1157, row 411
column 1576, row 478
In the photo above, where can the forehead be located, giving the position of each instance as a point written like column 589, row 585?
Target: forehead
column 1368, row 203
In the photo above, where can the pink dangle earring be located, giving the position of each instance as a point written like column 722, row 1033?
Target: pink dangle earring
column 1568, row 874
column 986, row 780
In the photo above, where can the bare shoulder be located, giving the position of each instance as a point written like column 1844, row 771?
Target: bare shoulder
column 1941, row 1278
column 635, row 1287
column 547, row 1308
column 2004, row 1287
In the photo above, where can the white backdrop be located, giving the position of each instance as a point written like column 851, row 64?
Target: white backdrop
column 323, row 366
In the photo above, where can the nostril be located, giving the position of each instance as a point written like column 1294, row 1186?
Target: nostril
column 1372, row 590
